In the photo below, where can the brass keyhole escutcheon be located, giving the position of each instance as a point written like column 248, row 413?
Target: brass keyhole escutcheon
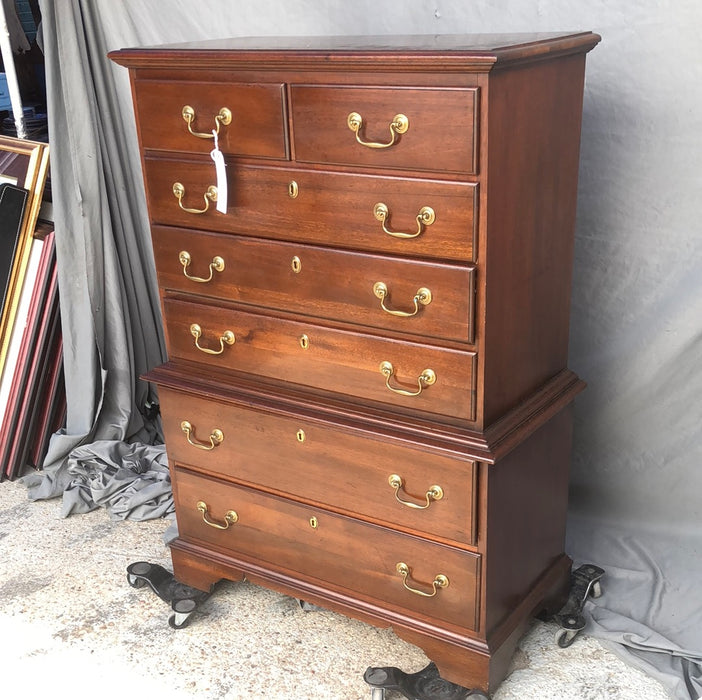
column 300, row 435
column 293, row 189
column 304, row 341
column 296, row 265
column 314, row 523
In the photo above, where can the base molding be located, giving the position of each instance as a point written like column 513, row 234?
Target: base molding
column 467, row 659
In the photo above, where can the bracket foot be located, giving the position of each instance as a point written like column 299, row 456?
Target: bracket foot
column 426, row 684
column 184, row 600
column 584, row 582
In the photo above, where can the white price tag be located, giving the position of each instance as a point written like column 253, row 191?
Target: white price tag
column 220, row 169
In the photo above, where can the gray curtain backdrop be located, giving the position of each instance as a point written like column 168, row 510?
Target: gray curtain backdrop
column 636, row 497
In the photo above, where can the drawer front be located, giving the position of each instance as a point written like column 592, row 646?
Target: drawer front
column 346, row 211
column 328, row 284
column 257, row 126
column 342, row 553
column 441, row 133
column 359, row 365
column 318, row 462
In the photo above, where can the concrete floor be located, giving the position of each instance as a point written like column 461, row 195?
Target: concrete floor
column 71, row 625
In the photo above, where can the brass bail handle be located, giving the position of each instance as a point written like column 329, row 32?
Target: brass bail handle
column 426, row 217
column 217, row 265
column 423, row 297
column 226, row 337
column 425, row 379
column 230, row 517
column 435, row 493
column 440, row 581
column 209, row 196
column 216, row 436
column 398, row 125
column 224, row 116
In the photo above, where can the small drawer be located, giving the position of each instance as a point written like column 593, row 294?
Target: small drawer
column 417, row 129
column 435, row 301
column 250, row 118
column 399, row 571
column 424, row 218
column 397, row 485
column 412, row 377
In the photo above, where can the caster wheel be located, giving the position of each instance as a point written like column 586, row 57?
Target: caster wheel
column 564, row 638
column 178, row 621
column 182, row 610
column 135, row 581
column 584, row 584
column 175, row 622
column 183, row 599
column 477, row 695
column 426, row 684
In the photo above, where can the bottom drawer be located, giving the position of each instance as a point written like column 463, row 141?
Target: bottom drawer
column 336, row 551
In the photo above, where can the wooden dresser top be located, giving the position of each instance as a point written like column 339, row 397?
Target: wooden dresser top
column 476, row 52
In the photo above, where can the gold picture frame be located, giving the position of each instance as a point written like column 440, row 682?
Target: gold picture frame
column 25, row 164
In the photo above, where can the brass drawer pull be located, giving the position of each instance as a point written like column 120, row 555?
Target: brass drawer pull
column 435, row 493
column 216, row 436
column 423, row 297
column 426, row 378
column 230, row 517
column 209, row 196
column 223, row 117
column 440, row 581
column 217, row 265
column 426, row 217
column 226, row 337
column 398, row 125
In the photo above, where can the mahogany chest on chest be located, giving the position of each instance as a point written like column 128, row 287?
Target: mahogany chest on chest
column 367, row 403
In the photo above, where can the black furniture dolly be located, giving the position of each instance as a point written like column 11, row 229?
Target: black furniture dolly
column 426, row 684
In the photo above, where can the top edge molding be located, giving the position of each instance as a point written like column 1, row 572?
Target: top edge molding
column 443, row 52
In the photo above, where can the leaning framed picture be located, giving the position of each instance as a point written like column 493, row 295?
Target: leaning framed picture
column 23, row 170
column 13, row 204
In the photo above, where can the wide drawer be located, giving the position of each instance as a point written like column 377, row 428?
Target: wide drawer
column 385, row 214
column 320, row 282
column 345, row 470
column 440, row 134
column 407, row 375
column 256, row 126
column 333, row 550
